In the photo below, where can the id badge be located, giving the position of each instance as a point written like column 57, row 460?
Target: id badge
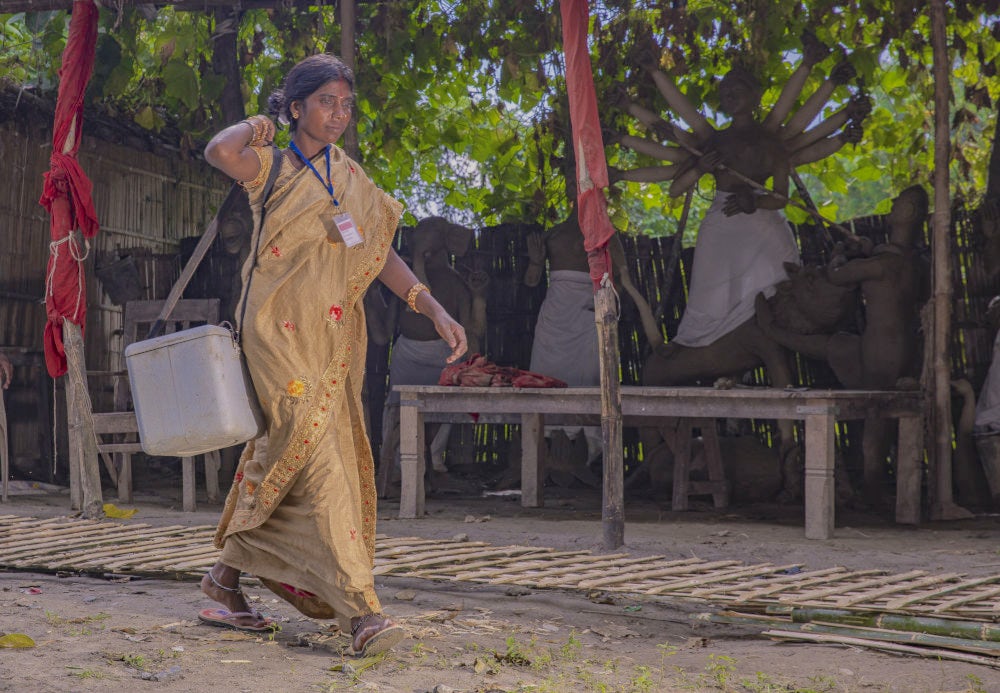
column 348, row 230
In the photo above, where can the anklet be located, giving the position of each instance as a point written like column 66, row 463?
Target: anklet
column 238, row 590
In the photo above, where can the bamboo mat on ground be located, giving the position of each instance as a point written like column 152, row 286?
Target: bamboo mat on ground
column 92, row 546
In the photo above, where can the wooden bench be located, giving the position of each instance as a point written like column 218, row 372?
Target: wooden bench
column 533, row 408
column 117, row 432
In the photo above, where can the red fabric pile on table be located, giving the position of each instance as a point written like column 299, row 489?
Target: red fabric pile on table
column 479, row 372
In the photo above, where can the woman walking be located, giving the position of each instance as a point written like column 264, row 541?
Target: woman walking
column 301, row 512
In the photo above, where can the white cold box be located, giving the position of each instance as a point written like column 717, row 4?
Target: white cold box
column 191, row 392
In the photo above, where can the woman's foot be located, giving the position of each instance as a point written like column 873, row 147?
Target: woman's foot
column 222, row 584
column 373, row 634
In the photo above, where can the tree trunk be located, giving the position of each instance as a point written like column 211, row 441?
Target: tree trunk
column 993, row 171
column 225, row 63
column 347, row 31
column 942, row 502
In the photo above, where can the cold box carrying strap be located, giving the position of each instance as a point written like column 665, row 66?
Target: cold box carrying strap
column 272, row 176
column 191, row 389
column 232, row 199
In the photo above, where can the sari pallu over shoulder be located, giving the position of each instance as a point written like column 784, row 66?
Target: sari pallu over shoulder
column 304, row 334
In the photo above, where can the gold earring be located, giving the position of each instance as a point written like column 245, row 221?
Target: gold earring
column 295, row 116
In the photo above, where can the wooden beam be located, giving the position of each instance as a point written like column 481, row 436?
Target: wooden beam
column 83, row 442
column 613, row 513
column 821, row 421
column 11, row 6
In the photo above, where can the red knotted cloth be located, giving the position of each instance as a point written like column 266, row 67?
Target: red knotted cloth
column 67, row 191
column 588, row 143
column 478, row 371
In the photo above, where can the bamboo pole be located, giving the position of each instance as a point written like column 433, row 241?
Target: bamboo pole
column 979, row 647
column 881, row 645
column 961, row 644
column 943, row 506
column 948, row 627
column 83, row 442
column 613, row 513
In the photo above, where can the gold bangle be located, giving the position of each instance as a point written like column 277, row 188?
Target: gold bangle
column 411, row 296
column 256, row 123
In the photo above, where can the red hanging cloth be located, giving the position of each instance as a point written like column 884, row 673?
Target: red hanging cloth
column 588, row 144
column 67, row 191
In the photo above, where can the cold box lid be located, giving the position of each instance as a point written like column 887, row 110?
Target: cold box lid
column 191, row 393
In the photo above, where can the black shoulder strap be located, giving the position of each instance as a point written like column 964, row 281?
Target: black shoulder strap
column 272, row 176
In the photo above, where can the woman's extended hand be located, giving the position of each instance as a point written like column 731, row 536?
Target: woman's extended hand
column 453, row 333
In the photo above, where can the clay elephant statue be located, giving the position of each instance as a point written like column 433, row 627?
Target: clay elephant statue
column 806, row 300
column 433, row 240
column 419, row 353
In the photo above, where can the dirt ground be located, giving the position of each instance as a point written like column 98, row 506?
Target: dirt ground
column 97, row 634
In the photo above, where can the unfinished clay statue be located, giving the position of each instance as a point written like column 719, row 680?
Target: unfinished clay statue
column 882, row 356
column 744, row 241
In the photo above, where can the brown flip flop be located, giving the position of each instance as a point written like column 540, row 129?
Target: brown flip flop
column 223, row 618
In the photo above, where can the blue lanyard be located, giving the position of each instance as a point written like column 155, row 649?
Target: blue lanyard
column 328, row 183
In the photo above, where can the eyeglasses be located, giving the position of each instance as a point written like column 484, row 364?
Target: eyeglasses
column 343, row 104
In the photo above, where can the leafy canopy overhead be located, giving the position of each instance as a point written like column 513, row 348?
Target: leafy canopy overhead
column 462, row 108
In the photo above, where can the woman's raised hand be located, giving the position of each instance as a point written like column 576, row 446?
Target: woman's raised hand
column 263, row 130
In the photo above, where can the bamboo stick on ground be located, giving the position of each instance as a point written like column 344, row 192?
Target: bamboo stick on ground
column 970, row 630
column 926, row 652
column 982, row 647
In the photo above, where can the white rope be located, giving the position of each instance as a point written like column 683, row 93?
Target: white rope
column 74, row 253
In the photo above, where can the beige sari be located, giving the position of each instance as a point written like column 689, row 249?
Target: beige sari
column 301, row 512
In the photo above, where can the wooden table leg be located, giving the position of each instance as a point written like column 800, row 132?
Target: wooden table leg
column 411, row 460
column 682, row 465
column 188, row 489
column 819, row 485
column 909, row 459
column 4, row 452
column 532, row 454
column 213, row 463
column 124, row 481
